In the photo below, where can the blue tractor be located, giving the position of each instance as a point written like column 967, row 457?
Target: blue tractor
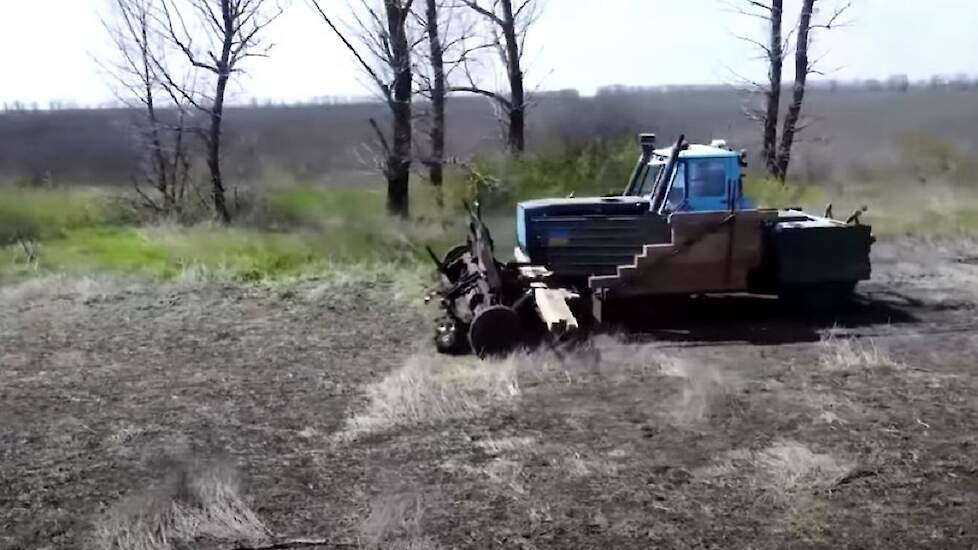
column 682, row 226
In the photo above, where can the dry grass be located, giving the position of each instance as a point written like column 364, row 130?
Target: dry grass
column 788, row 473
column 704, row 386
column 604, row 355
column 783, row 467
column 199, row 503
column 581, row 465
column 429, row 390
column 504, row 471
column 807, row 518
column 847, row 354
column 788, row 465
column 394, row 523
column 77, row 288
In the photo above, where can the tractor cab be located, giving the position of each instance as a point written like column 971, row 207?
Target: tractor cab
column 704, row 178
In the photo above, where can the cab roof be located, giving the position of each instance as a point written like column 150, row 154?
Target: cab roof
column 698, row 151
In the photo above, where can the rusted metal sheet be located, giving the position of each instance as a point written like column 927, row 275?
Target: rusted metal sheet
column 709, row 252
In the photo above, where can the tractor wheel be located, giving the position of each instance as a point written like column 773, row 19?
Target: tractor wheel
column 495, row 331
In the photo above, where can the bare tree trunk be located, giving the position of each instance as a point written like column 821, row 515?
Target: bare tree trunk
column 156, row 140
column 389, row 48
column 775, row 74
column 399, row 161
column 802, row 68
column 517, row 109
column 214, row 164
column 436, row 159
column 217, row 114
column 180, row 163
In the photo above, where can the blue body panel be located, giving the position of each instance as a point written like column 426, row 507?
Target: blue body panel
column 580, row 237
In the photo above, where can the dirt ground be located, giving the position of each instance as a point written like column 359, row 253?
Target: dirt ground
column 207, row 415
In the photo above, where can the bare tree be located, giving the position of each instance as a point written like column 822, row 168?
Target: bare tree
column 137, row 42
column 777, row 156
column 773, row 53
column 231, row 32
column 509, row 24
column 384, row 50
column 437, row 87
column 446, row 33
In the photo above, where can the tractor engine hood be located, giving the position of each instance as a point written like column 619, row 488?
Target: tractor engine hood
column 546, row 225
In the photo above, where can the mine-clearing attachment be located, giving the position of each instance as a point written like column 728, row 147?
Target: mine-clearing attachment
column 491, row 307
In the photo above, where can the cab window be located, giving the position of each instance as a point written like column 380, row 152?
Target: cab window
column 677, row 193
column 707, row 178
column 651, row 172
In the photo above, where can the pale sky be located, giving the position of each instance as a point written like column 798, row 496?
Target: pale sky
column 47, row 47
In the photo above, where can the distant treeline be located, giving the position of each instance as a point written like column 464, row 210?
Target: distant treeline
column 895, row 83
column 852, row 128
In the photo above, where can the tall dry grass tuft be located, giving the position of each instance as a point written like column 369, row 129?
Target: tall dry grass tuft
column 789, row 465
column 200, row 503
column 428, row 390
column 841, row 353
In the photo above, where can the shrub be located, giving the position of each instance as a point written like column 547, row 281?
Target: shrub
column 592, row 169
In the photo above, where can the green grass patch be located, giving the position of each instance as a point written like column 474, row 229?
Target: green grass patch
column 289, row 206
column 47, row 213
column 235, row 253
column 292, row 230
column 123, row 250
column 771, row 193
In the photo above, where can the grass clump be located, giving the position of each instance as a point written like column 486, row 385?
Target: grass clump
column 199, row 504
column 427, row 391
column 847, row 354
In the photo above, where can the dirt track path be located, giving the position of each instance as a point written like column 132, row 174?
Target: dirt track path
column 733, row 427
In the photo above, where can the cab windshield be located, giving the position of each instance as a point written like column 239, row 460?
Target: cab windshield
column 646, row 179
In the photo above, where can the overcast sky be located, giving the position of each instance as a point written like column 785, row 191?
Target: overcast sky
column 47, row 47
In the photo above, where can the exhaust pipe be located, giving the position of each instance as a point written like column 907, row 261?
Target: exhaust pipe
column 647, row 141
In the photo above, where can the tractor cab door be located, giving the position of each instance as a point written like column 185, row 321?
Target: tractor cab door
column 705, row 185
